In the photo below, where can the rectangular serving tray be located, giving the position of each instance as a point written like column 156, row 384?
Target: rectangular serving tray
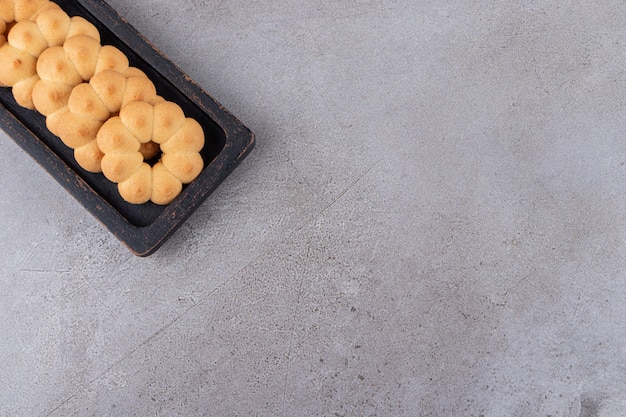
column 142, row 228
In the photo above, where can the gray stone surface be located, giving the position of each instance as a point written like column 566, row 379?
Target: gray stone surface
column 433, row 223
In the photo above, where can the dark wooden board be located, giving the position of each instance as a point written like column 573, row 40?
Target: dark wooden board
column 142, row 228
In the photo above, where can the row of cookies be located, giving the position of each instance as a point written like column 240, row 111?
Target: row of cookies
column 108, row 112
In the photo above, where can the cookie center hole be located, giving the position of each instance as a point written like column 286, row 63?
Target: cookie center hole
column 151, row 152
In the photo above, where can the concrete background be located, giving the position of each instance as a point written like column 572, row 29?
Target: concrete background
column 432, row 223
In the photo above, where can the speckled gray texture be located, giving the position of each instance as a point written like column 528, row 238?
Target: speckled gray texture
column 432, row 223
